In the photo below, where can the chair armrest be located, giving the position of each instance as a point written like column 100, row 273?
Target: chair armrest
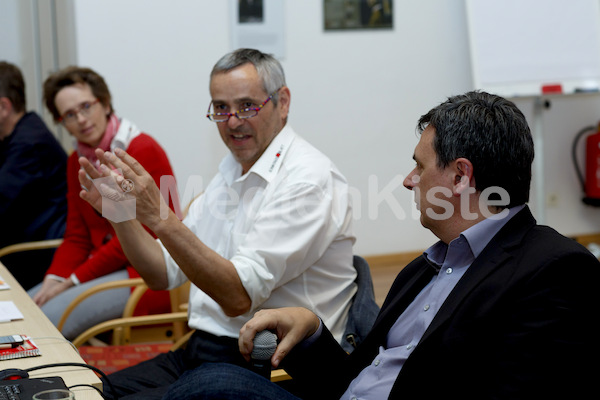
column 278, row 375
column 127, row 323
column 27, row 246
column 139, row 282
column 134, row 297
column 182, row 340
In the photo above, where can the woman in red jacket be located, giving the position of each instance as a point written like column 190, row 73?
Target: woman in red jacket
column 79, row 99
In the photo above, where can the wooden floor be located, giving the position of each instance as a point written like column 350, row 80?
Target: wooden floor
column 382, row 281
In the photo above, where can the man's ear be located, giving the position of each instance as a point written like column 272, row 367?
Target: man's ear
column 463, row 178
column 284, row 100
column 5, row 104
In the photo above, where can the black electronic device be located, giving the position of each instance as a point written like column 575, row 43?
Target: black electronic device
column 24, row 389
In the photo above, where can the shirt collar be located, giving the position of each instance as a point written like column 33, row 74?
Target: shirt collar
column 267, row 165
column 125, row 134
column 477, row 237
column 480, row 234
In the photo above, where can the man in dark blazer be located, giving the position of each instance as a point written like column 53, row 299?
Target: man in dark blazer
column 499, row 308
column 33, row 181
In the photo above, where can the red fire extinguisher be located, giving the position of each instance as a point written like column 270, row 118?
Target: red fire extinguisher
column 591, row 184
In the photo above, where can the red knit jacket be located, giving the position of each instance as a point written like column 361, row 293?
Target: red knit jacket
column 91, row 248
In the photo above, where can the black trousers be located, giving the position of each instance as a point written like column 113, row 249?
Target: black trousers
column 150, row 379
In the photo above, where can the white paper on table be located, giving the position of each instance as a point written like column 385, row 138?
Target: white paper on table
column 9, row 311
column 3, row 284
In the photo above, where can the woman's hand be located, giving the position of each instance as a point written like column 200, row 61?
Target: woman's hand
column 50, row 289
column 291, row 325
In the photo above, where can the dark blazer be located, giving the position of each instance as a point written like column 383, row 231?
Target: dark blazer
column 520, row 324
column 33, row 196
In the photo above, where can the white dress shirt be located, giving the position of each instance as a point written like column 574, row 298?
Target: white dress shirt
column 286, row 225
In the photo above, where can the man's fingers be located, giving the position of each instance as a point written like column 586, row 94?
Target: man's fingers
column 285, row 345
column 130, row 161
column 128, row 165
column 281, row 321
column 109, row 159
column 89, row 169
column 251, row 328
column 111, row 192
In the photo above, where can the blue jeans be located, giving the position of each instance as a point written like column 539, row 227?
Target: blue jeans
column 150, row 379
column 222, row 381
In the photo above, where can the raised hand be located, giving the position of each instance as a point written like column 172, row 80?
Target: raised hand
column 89, row 192
column 132, row 181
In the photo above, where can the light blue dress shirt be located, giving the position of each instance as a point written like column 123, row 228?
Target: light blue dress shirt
column 451, row 261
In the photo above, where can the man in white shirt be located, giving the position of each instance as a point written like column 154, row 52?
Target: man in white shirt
column 273, row 228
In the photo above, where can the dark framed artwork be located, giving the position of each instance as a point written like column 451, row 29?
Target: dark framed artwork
column 250, row 11
column 357, row 14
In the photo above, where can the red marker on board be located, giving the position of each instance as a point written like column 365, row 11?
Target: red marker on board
column 554, row 88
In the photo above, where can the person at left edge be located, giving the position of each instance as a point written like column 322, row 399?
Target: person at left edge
column 33, row 204
column 79, row 99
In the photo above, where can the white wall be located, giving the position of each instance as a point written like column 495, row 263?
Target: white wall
column 10, row 28
column 355, row 95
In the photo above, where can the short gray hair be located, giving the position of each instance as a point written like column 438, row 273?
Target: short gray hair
column 269, row 69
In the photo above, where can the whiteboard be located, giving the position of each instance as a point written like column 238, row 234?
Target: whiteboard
column 531, row 47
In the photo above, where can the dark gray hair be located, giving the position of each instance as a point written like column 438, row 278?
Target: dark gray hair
column 12, row 85
column 269, row 69
column 489, row 131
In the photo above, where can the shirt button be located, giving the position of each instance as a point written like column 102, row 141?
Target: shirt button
column 410, row 346
column 449, row 271
column 426, row 307
column 377, row 362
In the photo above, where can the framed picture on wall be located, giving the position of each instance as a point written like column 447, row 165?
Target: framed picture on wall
column 258, row 24
column 357, row 14
column 250, row 11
